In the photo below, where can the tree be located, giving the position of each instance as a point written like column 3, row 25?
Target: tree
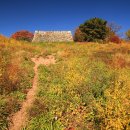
column 128, row 34
column 113, row 35
column 23, row 35
column 113, row 27
column 94, row 29
column 79, row 36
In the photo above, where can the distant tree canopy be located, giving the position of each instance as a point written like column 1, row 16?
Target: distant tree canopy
column 128, row 34
column 92, row 30
column 23, row 35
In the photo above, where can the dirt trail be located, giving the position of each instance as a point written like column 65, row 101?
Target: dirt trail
column 19, row 119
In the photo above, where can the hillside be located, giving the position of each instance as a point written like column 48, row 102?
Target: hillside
column 88, row 87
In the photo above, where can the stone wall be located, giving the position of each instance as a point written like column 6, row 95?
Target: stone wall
column 53, row 36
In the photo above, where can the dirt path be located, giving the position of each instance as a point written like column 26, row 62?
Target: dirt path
column 19, row 119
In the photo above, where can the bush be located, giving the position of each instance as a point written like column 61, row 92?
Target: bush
column 115, row 39
column 23, row 35
column 92, row 30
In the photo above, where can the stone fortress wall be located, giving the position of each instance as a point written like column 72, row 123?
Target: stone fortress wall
column 53, row 36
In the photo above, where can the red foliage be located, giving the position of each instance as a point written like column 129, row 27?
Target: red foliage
column 23, row 35
column 115, row 39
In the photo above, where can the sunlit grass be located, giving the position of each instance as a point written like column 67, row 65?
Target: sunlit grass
column 87, row 88
column 73, row 89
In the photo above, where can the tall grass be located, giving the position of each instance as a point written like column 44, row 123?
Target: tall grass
column 16, row 74
column 88, row 87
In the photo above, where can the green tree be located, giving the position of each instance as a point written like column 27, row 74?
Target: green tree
column 94, row 29
column 128, row 34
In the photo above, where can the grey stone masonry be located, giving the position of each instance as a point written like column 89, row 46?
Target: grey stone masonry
column 53, row 36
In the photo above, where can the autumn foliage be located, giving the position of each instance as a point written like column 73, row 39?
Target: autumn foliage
column 115, row 39
column 79, row 36
column 23, row 35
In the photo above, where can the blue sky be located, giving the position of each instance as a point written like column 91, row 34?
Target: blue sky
column 47, row 15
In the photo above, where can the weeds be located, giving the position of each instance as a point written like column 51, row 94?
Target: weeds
column 88, row 87
column 16, row 74
column 78, row 90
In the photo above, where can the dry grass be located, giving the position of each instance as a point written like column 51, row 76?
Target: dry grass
column 80, row 90
column 16, row 74
column 88, row 83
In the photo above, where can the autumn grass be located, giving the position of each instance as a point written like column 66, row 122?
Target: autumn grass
column 88, row 88
column 16, row 74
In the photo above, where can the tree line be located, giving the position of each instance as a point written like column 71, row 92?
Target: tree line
column 92, row 30
column 99, row 30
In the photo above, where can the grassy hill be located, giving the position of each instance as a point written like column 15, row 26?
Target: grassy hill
column 88, row 87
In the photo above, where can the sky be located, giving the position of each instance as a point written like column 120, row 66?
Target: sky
column 50, row 15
